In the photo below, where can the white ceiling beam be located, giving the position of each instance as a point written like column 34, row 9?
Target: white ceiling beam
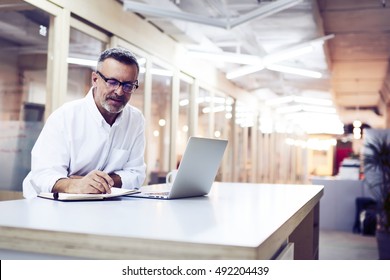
column 269, row 60
column 227, row 23
column 262, row 12
column 146, row 9
column 287, row 53
column 229, row 57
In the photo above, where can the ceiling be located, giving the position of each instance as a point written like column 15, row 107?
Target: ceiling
column 359, row 56
column 349, row 43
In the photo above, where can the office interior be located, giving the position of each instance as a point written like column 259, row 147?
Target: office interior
column 50, row 50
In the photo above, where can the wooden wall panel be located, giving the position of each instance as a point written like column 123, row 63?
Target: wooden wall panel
column 373, row 69
column 360, row 46
column 353, row 85
column 358, row 99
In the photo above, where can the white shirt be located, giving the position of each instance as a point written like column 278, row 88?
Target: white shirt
column 76, row 140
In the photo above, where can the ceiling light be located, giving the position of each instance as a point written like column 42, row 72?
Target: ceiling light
column 319, row 109
column 184, row 102
column 357, row 123
column 317, row 144
column 313, row 101
column 286, row 54
column 141, row 61
column 305, row 108
column 227, row 57
column 268, row 60
column 266, row 125
column 155, row 71
column 80, row 61
column 209, row 99
column 162, row 122
column 308, row 121
column 296, row 71
column 161, row 72
column 289, row 109
column 245, row 70
column 357, row 133
column 299, row 99
column 215, row 109
column 278, row 101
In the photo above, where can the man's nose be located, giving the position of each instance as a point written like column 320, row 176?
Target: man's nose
column 119, row 90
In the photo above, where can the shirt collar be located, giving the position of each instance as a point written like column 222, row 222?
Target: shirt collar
column 93, row 108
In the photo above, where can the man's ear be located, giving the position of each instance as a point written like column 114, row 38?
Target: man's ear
column 94, row 79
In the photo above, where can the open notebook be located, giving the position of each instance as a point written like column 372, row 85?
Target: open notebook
column 115, row 192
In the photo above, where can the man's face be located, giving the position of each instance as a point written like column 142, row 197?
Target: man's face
column 111, row 101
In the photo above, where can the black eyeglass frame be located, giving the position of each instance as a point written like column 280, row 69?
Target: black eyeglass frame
column 116, row 84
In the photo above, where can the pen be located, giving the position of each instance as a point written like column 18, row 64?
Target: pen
column 55, row 196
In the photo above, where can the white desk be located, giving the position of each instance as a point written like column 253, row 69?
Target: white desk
column 235, row 221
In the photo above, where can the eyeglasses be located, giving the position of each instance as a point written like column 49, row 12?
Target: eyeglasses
column 127, row 87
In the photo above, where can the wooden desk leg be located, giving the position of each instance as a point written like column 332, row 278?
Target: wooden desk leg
column 306, row 237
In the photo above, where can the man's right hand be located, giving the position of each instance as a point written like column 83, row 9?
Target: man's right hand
column 94, row 182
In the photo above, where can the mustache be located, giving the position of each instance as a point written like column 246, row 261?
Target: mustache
column 116, row 97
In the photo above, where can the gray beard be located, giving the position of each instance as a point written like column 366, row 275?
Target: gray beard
column 111, row 109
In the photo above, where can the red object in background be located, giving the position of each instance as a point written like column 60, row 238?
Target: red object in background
column 343, row 150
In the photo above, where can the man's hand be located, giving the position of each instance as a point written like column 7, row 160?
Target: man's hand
column 94, row 182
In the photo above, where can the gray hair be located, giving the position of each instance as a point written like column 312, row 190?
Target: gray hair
column 119, row 54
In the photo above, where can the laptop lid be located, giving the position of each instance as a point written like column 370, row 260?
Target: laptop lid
column 198, row 167
column 197, row 170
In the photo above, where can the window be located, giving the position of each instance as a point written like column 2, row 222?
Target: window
column 84, row 51
column 23, row 70
column 138, row 97
column 183, row 128
column 159, row 131
column 204, row 116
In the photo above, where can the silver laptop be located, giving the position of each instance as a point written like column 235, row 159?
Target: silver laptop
column 197, row 170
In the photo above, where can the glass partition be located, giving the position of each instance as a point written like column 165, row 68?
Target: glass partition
column 204, row 109
column 159, row 132
column 138, row 98
column 221, row 110
column 23, row 68
column 182, row 132
column 84, row 51
column 223, row 113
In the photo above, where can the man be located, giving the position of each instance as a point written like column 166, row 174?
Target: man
column 95, row 143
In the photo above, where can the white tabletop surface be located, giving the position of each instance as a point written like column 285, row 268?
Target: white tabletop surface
column 232, row 214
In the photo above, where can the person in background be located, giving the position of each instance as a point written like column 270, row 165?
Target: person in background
column 95, row 143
